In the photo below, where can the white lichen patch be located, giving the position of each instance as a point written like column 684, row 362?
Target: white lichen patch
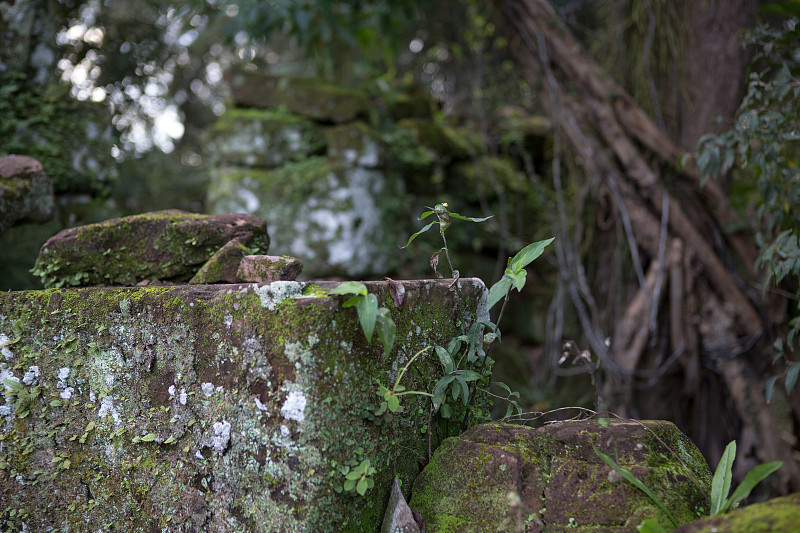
column 208, row 389
column 295, row 406
column 183, row 397
column 6, row 374
column 221, row 436
column 260, row 406
column 228, row 320
column 107, row 408
column 31, row 375
column 274, row 293
column 63, row 375
column 299, row 354
column 67, row 393
column 5, row 342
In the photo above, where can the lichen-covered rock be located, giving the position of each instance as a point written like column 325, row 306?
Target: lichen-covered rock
column 775, row 515
column 262, row 138
column 337, row 219
column 500, row 477
column 356, row 144
column 166, row 245
column 212, row 408
column 268, row 268
column 26, row 193
column 223, row 266
column 307, row 97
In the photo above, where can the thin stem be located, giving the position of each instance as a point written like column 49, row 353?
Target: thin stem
column 405, row 368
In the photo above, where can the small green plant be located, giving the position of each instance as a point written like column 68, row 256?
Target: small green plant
column 360, row 478
column 443, row 216
column 368, row 313
column 720, row 487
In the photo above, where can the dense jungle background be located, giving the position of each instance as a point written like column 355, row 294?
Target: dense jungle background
column 656, row 140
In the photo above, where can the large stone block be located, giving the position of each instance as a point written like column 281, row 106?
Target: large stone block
column 337, row 219
column 222, row 408
column 307, row 97
column 262, row 138
column 501, row 477
column 169, row 245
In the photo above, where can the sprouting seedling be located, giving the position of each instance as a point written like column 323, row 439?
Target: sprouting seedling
column 443, row 214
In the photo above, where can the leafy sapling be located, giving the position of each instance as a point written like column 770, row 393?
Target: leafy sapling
column 443, row 215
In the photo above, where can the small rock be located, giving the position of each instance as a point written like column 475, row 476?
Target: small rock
column 268, row 268
column 398, row 517
column 222, row 266
column 165, row 245
column 26, row 193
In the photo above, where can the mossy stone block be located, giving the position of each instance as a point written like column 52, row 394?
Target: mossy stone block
column 307, row 97
column 234, row 408
column 166, row 245
column 262, row 138
column 497, row 476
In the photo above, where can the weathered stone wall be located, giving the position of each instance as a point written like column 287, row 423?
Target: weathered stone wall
column 212, row 408
column 341, row 175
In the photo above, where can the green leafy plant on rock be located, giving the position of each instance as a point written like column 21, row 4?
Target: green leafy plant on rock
column 721, row 499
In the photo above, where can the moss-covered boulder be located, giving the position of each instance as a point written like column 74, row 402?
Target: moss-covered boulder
column 166, row 245
column 501, row 477
column 26, row 193
column 236, row 408
column 775, row 515
column 306, row 97
column 262, row 138
column 337, row 219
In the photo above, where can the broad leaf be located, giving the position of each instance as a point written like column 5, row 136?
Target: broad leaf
column 367, row 313
column 721, row 483
column 464, row 389
column 414, row 236
column 469, row 375
column 350, row 287
column 498, row 291
column 791, row 377
column 751, row 479
column 529, row 253
column 445, row 359
column 769, row 388
column 440, row 389
column 387, row 330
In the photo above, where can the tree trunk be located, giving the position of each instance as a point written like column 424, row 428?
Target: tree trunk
column 711, row 321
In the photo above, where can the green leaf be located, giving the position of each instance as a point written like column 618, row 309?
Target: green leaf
column 367, row 314
column 650, row 526
column 769, row 387
column 471, row 219
column 445, row 359
column 517, row 278
column 751, row 479
column 14, row 385
column 425, row 215
column 393, row 402
column 721, row 483
column 423, row 230
column 440, row 389
column 354, row 474
column 349, row 484
column 352, row 301
column 387, row 330
column 791, row 377
column 525, row 256
column 150, row 437
column 632, row 479
column 464, row 389
column 56, row 403
column 349, row 287
column 362, row 486
column 498, row 291
column 468, row 375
